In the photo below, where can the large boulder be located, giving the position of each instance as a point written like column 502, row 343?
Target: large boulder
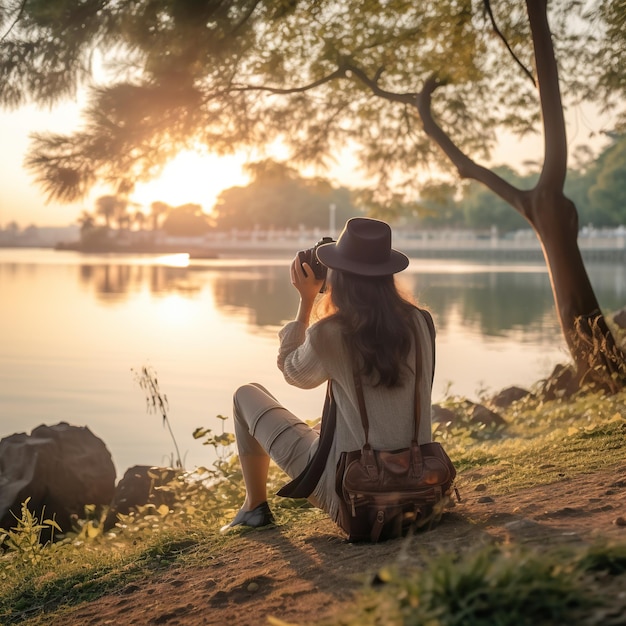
column 505, row 398
column 61, row 468
column 141, row 485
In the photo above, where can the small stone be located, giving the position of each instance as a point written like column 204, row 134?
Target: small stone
column 485, row 499
column 481, row 487
column 252, row 587
column 521, row 525
column 620, row 521
column 620, row 318
column 507, row 396
column 480, row 414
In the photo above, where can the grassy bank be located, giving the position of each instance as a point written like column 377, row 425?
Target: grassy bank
column 541, row 443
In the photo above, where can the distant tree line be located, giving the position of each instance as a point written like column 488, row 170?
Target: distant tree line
column 278, row 197
column 597, row 186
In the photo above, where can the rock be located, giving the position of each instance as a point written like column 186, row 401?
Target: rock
column 62, row 468
column 469, row 411
column 620, row 521
column 620, row 318
column 482, row 415
column 560, row 384
column 507, row 396
column 137, row 488
column 442, row 415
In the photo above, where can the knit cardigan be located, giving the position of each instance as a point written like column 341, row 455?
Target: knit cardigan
column 308, row 357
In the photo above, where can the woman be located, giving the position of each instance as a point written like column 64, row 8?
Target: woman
column 366, row 321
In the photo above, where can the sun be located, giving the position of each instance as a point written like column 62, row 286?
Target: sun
column 192, row 177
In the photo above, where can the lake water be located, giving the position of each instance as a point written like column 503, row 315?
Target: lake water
column 73, row 326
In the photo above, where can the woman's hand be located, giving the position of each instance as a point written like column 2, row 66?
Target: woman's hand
column 303, row 279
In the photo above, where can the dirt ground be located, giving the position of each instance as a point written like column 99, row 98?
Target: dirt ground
column 312, row 577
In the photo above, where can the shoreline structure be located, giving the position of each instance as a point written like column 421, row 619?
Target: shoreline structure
column 595, row 245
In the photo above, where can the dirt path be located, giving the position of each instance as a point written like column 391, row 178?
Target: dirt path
column 310, row 577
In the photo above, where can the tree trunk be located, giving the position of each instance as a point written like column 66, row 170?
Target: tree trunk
column 598, row 360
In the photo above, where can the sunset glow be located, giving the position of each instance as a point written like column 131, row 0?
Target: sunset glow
column 192, row 177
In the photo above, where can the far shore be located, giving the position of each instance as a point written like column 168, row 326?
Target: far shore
column 603, row 246
column 526, row 249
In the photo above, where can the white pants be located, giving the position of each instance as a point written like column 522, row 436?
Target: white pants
column 263, row 426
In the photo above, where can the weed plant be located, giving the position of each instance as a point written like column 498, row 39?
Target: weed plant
column 156, row 402
column 497, row 586
column 23, row 541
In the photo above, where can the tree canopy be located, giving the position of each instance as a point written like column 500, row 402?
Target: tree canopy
column 278, row 197
column 316, row 75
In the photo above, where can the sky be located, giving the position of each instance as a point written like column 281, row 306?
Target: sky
column 190, row 177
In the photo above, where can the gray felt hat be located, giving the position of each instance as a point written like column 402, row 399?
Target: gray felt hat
column 364, row 248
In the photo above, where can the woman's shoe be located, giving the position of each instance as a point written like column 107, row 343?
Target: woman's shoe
column 255, row 518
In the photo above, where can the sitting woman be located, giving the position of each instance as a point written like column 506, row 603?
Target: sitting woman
column 364, row 320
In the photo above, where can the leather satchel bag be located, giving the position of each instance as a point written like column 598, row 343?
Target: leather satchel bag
column 384, row 493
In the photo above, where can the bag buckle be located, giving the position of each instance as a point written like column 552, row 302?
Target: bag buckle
column 368, row 461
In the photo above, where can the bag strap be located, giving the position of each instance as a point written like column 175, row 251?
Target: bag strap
column 431, row 329
column 418, row 371
column 302, row 486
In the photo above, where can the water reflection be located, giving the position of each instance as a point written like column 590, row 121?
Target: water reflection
column 265, row 293
column 491, row 301
column 609, row 281
column 495, row 303
column 115, row 283
column 73, row 326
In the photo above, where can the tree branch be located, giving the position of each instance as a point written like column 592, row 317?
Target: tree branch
column 555, row 142
column 15, row 21
column 338, row 73
column 372, row 83
column 526, row 71
column 464, row 165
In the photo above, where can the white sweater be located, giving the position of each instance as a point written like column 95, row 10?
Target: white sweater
column 310, row 357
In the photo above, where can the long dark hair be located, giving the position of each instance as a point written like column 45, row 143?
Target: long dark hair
column 376, row 320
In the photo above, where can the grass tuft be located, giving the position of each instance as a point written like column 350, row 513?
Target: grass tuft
column 492, row 586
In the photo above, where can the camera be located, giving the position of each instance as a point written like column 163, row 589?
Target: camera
column 309, row 256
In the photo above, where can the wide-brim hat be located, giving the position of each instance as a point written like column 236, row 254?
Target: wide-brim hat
column 364, row 248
